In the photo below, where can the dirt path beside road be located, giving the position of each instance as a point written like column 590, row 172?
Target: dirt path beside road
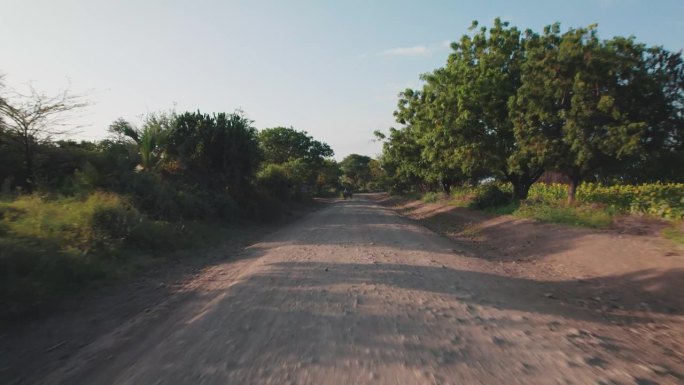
column 356, row 294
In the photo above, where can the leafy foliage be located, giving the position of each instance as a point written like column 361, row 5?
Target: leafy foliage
column 490, row 195
column 663, row 200
column 150, row 139
column 295, row 162
column 509, row 105
column 101, row 210
column 356, row 171
column 52, row 246
column 219, row 151
column 282, row 144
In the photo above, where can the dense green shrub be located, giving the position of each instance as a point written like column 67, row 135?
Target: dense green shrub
column 596, row 204
column 274, row 181
column 431, row 197
column 582, row 215
column 101, row 223
column 490, row 195
column 49, row 246
column 52, row 245
column 663, row 200
column 101, row 209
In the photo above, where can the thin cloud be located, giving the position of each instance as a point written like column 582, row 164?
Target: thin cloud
column 418, row 50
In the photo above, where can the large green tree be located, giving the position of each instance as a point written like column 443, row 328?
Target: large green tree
column 401, row 159
column 424, row 119
column 356, row 171
column 219, row 150
column 281, row 144
column 584, row 103
column 461, row 115
column 657, row 97
column 306, row 161
column 510, row 104
column 327, row 176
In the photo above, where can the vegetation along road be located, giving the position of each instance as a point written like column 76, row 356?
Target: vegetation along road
column 354, row 294
column 531, row 232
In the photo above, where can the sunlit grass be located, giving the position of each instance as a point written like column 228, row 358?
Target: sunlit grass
column 675, row 233
column 51, row 246
column 596, row 205
column 580, row 215
column 556, row 211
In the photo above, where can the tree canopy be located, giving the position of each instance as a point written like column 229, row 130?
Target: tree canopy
column 509, row 105
column 281, row 144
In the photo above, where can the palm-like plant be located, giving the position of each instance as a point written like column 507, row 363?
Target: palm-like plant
column 150, row 138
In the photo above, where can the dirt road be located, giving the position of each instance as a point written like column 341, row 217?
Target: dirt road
column 355, row 294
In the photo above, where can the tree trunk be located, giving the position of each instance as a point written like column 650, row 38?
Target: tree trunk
column 27, row 181
column 572, row 188
column 446, row 187
column 522, row 183
column 521, row 189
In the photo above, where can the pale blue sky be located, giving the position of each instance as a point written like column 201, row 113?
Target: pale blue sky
column 332, row 68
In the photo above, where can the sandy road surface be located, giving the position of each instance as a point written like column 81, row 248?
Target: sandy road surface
column 355, row 294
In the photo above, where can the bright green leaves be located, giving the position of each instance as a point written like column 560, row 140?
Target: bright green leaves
column 510, row 104
column 282, row 144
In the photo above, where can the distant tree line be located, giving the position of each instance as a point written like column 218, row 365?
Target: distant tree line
column 188, row 165
column 510, row 105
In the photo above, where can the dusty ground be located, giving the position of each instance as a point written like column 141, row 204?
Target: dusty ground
column 629, row 266
column 355, row 294
column 42, row 341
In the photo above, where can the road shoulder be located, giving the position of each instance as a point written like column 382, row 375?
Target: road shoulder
column 35, row 347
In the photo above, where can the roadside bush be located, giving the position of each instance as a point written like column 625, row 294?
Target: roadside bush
column 275, row 181
column 50, row 246
column 267, row 207
column 175, row 200
column 490, row 195
column 431, row 197
column 101, row 209
column 99, row 222
column 34, row 270
column 662, row 200
column 586, row 215
column 675, row 232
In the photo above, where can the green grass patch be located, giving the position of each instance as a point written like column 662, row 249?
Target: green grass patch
column 675, row 233
column 50, row 247
column 659, row 200
column 585, row 216
column 596, row 205
column 432, row 197
column 507, row 209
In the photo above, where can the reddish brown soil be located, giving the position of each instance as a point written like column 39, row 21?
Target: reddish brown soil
column 42, row 341
column 629, row 266
column 356, row 294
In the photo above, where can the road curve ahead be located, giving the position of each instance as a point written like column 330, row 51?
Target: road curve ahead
column 355, row 294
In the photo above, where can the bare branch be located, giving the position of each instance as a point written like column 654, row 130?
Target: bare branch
column 37, row 115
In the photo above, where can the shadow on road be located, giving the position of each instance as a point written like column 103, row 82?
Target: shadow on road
column 323, row 314
column 325, row 310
